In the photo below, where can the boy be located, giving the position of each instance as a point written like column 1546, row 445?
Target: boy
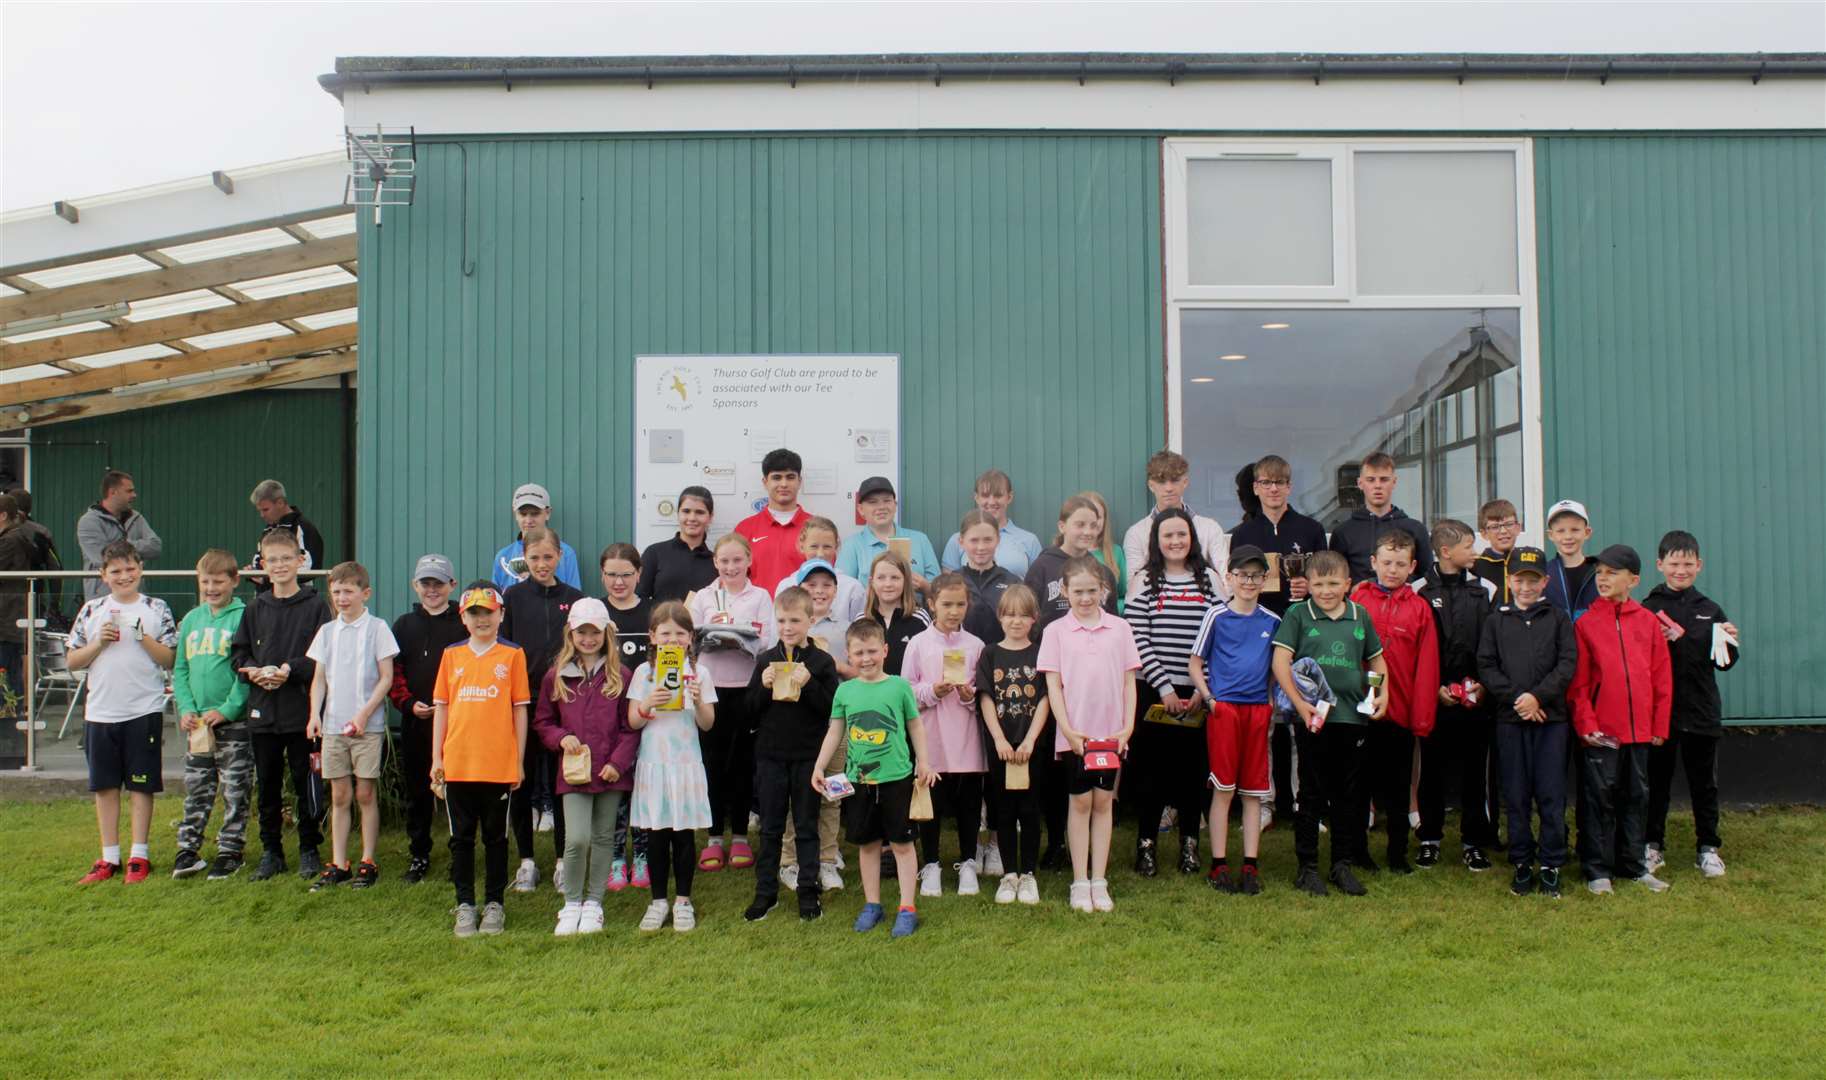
column 1230, row 666
column 1017, row 548
column 1621, row 695
column 787, row 740
column 478, row 737
column 879, row 508
column 828, row 633
column 1526, row 658
column 532, row 508
column 818, row 542
column 210, row 695
column 773, row 531
column 1169, row 474
column 1410, row 697
column 269, row 652
column 354, row 654
column 1337, row 634
column 1500, row 525
column 1695, row 640
column 1355, row 537
column 1460, row 742
column 125, row 640
column 876, row 715
column 422, row 635
column 1572, row 582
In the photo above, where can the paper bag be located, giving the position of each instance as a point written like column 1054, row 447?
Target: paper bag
column 919, row 808
column 955, row 673
column 784, row 687
column 902, row 547
column 202, row 740
column 1014, row 776
column 669, row 674
column 1272, row 583
column 577, row 765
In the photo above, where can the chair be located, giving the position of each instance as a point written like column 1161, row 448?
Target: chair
column 55, row 676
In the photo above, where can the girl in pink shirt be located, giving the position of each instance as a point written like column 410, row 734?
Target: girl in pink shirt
column 1089, row 658
column 954, row 733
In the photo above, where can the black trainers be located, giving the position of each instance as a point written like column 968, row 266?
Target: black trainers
column 810, row 909
column 309, row 864
column 1550, row 881
column 1308, row 880
column 331, row 877
column 1398, row 864
column 272, row 864
column 416, row 870
column 1475, row 860
column 1219, row 878
column 366, row 875
column 1428, row 857
column 186, row 864
column 1524, row 880
column 759, row 909
column 227, row 865
column 1145, row 863
column 1250, row 884
column 1188, row 855
column 1346, row 881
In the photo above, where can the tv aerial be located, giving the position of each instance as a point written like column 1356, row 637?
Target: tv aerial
column 383, row 167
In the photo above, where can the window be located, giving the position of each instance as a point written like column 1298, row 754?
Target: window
column 1433, row 224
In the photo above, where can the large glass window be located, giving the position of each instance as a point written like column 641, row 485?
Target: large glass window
column 1435, row 223
column 1259, row 222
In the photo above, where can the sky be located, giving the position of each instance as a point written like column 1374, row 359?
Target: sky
column 96, row 98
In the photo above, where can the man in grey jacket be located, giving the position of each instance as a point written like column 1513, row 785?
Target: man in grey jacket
column 111, row 519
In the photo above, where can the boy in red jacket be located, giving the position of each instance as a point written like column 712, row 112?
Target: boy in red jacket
column 1621, row 699
column 1410, row 646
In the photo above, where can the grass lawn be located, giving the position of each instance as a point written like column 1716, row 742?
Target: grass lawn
column 1441, row 974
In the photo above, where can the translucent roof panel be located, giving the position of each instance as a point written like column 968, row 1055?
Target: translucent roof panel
column 55, row 331
column 35, row 371
column 236, row 244
column 96, row 270
column 176, row 304
column 327, row 228
column 328, row 318
column 8, row 290
column 237, row 336
column 126, row 356
column 322, row 277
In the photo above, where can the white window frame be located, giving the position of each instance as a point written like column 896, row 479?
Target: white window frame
column 1183, row 296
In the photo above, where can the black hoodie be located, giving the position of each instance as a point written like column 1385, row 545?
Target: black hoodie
column 276, row 631
column 422, row 640
column 1461, row 602
column 793, row 730
column 1697, row 709
column 1527, row 652
column 533, row 617
column 986, row 589
column 1043, row 578
column 1355, row 539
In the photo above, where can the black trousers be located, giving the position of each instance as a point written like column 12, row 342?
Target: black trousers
column 1616, row 808
column 957, row 797
column 1459, row 744
column 274, row 754
column 1332, row 788
column 1391, row 778
column 728, row 749
column 1280, row 762
column 415, row 778
column 1533, row 758
column 1016, row 815
column 1052, row 783
column 535, row 793
column 1167, row 766
column 780, row 785
column 478, row 807
column 1700, row 755
column 672, row 854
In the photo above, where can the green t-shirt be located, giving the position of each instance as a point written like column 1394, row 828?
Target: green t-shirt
column 1342, row 646
column 875, row 717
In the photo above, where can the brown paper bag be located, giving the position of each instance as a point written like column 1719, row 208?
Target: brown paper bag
column 784, row 687
column 202, row 740
column 1272, row 583
column 1014, row 776
column 902, row 547
column 955, row 672
column 919, row 808
column 577, row 765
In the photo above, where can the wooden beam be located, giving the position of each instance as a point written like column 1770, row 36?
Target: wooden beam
column 194, row 324
column 337, row 363
column 203, row 275
column 176, row 367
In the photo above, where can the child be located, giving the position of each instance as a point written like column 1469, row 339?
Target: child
column 1526, row 658
column 1572, row 582
column 532, row 617
column 746, row 610
column 532, row 509
column 1016, row 547
column 941, row 667
column 1168, row 475
column 790, row 723
column 269, row 652
column 671, row 793
column 210, row 695
column 422, row 634
column 876, row 714
column 1460, row 742
column 1230, row 665
column 818, row 543
column 1410, row 699
column 478, row 745
column 1080, row 531
column 1355, row 537
column 1622, row 696
column 674, row 569
column 581, row 710
column 1694, row 649
column 125, row 640
column 354, row 669
column 819, row 580
column 773, row 531
column 1105, row 549
column 1088, row 658
column 1337, row 633
column 629, row 615
column 1500, row 525
column 1011, row 697
column 985, row 576
column 892, row 603
column 878, row 507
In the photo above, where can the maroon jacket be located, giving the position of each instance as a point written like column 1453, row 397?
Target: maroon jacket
column 600, row 723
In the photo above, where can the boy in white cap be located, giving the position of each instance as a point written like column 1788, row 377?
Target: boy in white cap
column 532, row 507
column 1572, row 579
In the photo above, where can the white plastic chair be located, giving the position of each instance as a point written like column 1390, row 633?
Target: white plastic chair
column 55, row 676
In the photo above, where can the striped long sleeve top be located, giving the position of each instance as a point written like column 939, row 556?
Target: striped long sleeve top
column 1166, row 619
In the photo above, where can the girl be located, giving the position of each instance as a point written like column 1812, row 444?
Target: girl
column 629, row 613
column 1167, row 604
column 735, row 603
column 1105, row 548
column 954, row 735
column 979, row 536
column 674, row 569
column 671, row 791
column 1088, row 657
column 580, row 706
column 890, row 602
column 1015, row 711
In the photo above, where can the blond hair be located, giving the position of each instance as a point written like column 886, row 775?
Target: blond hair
column 567, row 653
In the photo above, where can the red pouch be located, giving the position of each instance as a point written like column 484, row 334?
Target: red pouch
column 1673, row 630
column 1100, row 755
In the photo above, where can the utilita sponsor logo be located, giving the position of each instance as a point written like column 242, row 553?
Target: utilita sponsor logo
column 478, row 693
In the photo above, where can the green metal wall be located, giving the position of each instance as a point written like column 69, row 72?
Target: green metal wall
column 1018, row 277
column 1683, row 345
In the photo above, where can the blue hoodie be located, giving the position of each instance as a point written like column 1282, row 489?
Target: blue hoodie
column 1557, row 587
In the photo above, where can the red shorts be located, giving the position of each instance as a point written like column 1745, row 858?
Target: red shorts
column 1236, row 739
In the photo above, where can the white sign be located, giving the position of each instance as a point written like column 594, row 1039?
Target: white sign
column 709, row 420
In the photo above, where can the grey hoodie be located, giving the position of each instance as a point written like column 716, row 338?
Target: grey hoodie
column 97, row 528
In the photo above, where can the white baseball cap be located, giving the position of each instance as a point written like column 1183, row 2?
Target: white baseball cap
column 1568, row 506
column 589, row 611
column 532, row 495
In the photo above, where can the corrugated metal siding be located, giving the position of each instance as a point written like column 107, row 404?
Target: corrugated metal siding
column 1019, row 278
column 1683, row 331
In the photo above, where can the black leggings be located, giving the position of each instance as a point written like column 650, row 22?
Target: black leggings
column 959, row 797
column 541, row 775
column 671, row 852
column 1012, row 809
column 728, row 749
column 1167, row 766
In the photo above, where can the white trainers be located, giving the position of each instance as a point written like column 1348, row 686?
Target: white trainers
column 684, row 916
column 1081, row 896
column 1029, row 890
column 1267, row 816
column 990, row 856
column 1008, row 889
column 840, row 865
column 1599, row 886
column 966, row 878
column 931, row 881
column 1413, row 819
column 1652, row 858
column 655, row 916
column 568, row 917
column 1100, row 895
column 526, row 879
column 591, row 920
column 1652, row 883
column 829, row 879
column 558, row 876
column 542, row 821
column 789, row 877
column 1709, row 863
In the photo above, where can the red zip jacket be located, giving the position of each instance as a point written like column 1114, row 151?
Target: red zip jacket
column 1410, row 648
column 1624, row 687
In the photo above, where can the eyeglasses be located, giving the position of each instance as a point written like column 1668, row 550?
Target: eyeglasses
column 618, row 576
column 1251, row 578
column 1503, row 526
column 1273, row 483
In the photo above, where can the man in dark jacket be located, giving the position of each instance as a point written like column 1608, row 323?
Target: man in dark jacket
column 15, row 554
column 1461, row 602
column 1355, row 538
column 44, row 557
column 277, row 512
column 423, row 634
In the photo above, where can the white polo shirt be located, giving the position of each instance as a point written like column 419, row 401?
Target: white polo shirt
column 350, row 654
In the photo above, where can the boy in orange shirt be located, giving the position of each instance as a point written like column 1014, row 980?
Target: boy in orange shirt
column 478, row 734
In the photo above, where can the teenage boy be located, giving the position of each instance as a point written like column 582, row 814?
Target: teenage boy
column 790, row 695
column 1169, row 474
column 269, row 652
column 1500, row 525
column 126, row 641
column 829, row 633
column 1460, row 743
column 532, row 509
column 1622, row 696
column 1572, row 579
column 422, row 634
column 211, row 696
column 818, row 542
column 1337, row 634
column 1017, row 548
column 354, row 654
column 876, row 502
column 773, row 530
column 1701, row 643
column 1526, row 659
column 1230, row 665
column 1355, row 537
column 1409, row 698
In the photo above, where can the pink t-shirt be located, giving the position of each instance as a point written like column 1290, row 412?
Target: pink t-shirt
column 753, row 607
column 1093, row 663
column 954, row 735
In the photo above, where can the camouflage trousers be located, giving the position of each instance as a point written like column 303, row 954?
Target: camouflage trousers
column 230, row 770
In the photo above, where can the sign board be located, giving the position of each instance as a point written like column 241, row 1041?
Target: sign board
column 709, row 420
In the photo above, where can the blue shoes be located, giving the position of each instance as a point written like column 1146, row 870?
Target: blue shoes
column 905, row 922
column 869, row 919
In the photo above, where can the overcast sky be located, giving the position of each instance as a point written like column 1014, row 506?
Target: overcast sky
column 97, row 98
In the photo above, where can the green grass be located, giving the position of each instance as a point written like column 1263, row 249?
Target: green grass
column 1441, row 974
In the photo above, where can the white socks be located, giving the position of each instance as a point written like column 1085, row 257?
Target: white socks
column 111, row 854
column 139, row 851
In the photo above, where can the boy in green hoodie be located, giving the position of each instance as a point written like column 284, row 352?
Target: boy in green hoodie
column 212, row 710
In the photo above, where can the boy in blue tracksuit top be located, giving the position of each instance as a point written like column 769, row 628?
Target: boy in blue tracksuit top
column 1572, row 577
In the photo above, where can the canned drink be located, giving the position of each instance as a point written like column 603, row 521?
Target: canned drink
column 317, row 762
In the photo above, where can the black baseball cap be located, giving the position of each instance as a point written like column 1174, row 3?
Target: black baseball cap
column 874, row 485
column 1243, row 556
column 1527, row 560
column 1621, row 557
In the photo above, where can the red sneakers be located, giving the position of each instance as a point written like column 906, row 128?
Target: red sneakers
column 101, row 871
column 137, row 870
